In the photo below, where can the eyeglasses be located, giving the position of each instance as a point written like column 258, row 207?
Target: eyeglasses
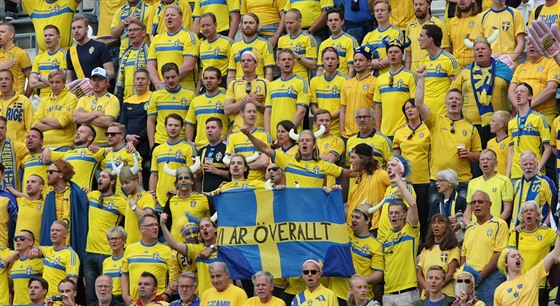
column 52, row 171
column 134, row 29
column 273, row 169
column 150, row 225
column 390, row 80
column 313, row 272
column 452, row 127
column 20, row 238
column 112, row 134
column 186, row 286
column 363, row 117
column 248, row 87
column 466, row 281
column 478, row 202
column 114, row 238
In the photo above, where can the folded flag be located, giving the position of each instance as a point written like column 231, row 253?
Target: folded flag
column 277, row 231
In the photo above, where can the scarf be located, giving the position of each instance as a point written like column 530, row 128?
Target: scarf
column 10, row 163
column 483, row 87
column 532, row 193
column 140, row 62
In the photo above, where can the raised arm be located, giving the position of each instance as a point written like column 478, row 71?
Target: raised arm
column 261, row 146
column 419, row 96
column 179, row 247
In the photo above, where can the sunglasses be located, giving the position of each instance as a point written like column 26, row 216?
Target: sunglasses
column 248, row 87
column 390, row 80
column 273, row 169
column 452, row 127
column 313, row 272
column 466, row 281
column 52, row 171
column 20, row 238
column 112, row 134
column 477, row 202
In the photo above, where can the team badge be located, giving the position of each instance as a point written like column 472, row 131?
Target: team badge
column 298, row 47
column 193, row 203
column 316, row 169
column 291, row 89
column 365, row 87
column 110, row 204
column 184, row 102
column 55, row 63
column 489, row 232
column 494, row 189
column 177, row 43
column 439, row 68
column 57, row 261
column 540, row 69
column 38, row 207
column 91, row 50
column 28, row 270
column 326, row 146
column 502, row 146
column 219, row 106
column 400, row 83
column 335, row 90
column 217, row 51
column 539, row 237
column 219, row 156
column 421, row 135
column 464, row 133
column 506, row 25
column 471, row 24
column 145, row 106
column 258, row 89
column 155, row 256
column 443, row 257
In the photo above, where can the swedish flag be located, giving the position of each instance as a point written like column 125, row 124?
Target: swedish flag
column 277, row 231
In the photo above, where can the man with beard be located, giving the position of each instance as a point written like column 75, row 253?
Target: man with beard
column 215, row 50
column 485, row 238
column 145, row 255
column 510, row 42
column 34, row 163
column 87, row 54
column 202, row 254
column 261, row 48
column 184, row 55
column 205, row 106
column 246, row 88
column 423, row 17
column 140, row 202
column 100, row 109
column 24, row 268
column 82, row 159
column 222, row 292
column 105, row 210
column 460, row 26
column 289, row 96
column 227, row 13
column 532, row 186
column 174, row 152
column 484, row 95
column 215, row 171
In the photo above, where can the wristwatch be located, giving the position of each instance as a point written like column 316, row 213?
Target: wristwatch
column 134, row 207
column 213, row 247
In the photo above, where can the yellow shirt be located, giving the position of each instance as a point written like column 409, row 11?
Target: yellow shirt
column 392, row 193
column 268, row 13
column 375, row 39
column 413, row 33
column 344, row 45
column 84, row 162
column 549, row 14
column 392, row 92
column 356, row 93
column 508, row 21
column 262, row 49
column 140, row 257
column 107, row 10
column 537, row 189
column 435, row 256
column 444, row 145
column 237, row 91
column 140, row 12
column 156, row 17
column 522, row 290
column 233, row 295
column 190, row 209
column 58, row 13
column 22, row 270
column 415, row 146
column 439, row 69
column 45, row 62
column 4, row 278
column 33, row 212
column 202, row 265
column 59, row 264
column 174, row 155
column 498, row 187
column 145, row 201
column 321, row 296
column 61, row 108
column 202, row 108
column 531, row 137
column 371, row 189
column 501, row 148
column 108, row 104
column 19, row 112
column 325, row 93
column 238, row 143
column 483, row 240
column 222, row 10
column 255, row 301
column 310, row 10
column 103, row 213
column 401, row 15
column 459, row 28
column 112, row 267
column 304, row 45
column 305, row 173
column 382, row 146
column 174, row 47
column 399, row 258
column 326, row 144
column 216, row 53
column 538, row 74
column 286, row 96
column 164, row 102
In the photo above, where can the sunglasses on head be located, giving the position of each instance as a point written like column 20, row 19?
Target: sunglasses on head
column 313, row 272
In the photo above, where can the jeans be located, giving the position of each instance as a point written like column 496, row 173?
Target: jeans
column 485, row 291
column 93, row 267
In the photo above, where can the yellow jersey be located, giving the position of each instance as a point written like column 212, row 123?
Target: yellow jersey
column 536, row 189
column 112, row 267
column 202, row 265
column 439, row 71
column 344, row 45
column 165, row 102
column 262, row 49
column 140, row 257
column 356, row 93
column 156, row 17
column 459, row 28
column 381, row 145
column 103, row 213
column 107, row 10
column 33, row 212
column 18, row 111
column 325, row 93
column 237, row 90
column 501, row 148
column 304, row 45
column 548, row 14
column 446, row 134
column 216, row 53
column 174, row 155
column 413, row 33
column 399, row 258
column 508, row 21
column 483, row 240
column 144, row 201
column 392, row 92
column 392, row 193
column 401, row 15
column 59, row 264
column 522, row 290
column 286, row 96
column 4, row 278
column 84, row 162
column 108, row 104
column 415, row 145
column 45, row 62
column 438, row 257
column 238, row 143
column 321, row 296
column 305, row 173
column 268, row 13
column 202, row 108
column 22, row 270
column 192, row 208
column 369, row 188
column 376, row 38
column 498, row 187
column 174, row 47
column 62, row 108
column 538, row 74
column 233, row 295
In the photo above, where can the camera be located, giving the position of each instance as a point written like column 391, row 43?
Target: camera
column 57, row 298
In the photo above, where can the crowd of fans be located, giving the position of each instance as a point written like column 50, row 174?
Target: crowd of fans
column 441, row 135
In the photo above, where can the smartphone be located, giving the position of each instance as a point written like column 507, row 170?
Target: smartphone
column 459, row 287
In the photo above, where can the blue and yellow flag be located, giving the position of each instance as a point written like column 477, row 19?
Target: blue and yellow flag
column 277, row 231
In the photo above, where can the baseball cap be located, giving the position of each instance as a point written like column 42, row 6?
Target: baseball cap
column 100, row 72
